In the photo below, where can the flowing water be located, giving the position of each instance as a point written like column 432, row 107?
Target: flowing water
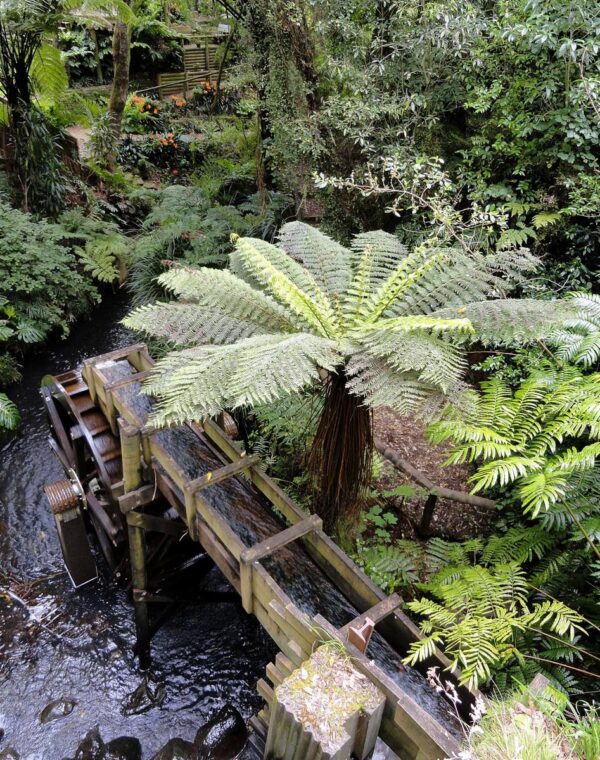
column 61, row 644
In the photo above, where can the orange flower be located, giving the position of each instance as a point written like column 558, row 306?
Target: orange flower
column 164, row 142
column 156, row 110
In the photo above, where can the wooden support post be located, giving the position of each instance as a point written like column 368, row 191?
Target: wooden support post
column 139, row 580
column 359, row 631
column 344, row 721
column 131, row 455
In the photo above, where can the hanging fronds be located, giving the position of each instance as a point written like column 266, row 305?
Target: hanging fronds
column 388, row 327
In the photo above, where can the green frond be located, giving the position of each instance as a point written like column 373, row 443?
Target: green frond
column 375, row 256
column 199, row 382
column 504, row 471
column 104, row 256
column 217, row 291
column 9, row 414
column 511, row 321
column 289, row 283
column 423, row 356
column 326, row 260
column 48, row 72
column 407, row 274
column 379, row 384
column 517, row 545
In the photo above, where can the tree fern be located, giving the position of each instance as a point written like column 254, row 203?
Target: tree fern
column 374, row 315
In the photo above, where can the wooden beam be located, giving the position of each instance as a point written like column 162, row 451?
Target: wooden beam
column 228, row 471
column 155, row 524
column 138, row 498
column 137, row 377
column 263, row 549
column 279, row 540
column 376, row 613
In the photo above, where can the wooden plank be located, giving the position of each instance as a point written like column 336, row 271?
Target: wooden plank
column 137, row 377
column 139, row 498
column 279, row 540
column 265, row 691
column 228, row 471
column 118, row 353
column 168, row 464
column 157, row 524
column 284, row 664
column 220, row 528
column 219, row 554
column 274, row 674
column 167, row 488
column 377, row 613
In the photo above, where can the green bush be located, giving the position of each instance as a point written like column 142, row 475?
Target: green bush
column 41, row 287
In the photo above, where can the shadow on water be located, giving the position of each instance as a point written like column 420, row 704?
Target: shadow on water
column 59, row 644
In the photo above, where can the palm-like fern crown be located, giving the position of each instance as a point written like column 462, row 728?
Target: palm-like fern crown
column 395, row 321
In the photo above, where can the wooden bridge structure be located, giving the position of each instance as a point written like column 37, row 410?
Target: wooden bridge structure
column 145, row 487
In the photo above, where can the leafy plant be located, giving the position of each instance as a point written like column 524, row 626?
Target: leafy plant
column 386, row 325
column 41, row 289
column 520, row 437
column 485, row 620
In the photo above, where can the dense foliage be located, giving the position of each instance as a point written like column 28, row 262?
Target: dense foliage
column 468, row 131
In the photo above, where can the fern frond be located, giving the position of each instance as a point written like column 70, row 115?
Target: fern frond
column 289, row 283
column 9, row 414
column 327, row 261
column 511, row 322
column 202, row 381
column 218, row 291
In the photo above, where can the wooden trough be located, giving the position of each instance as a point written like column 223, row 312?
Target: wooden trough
column 194, row 481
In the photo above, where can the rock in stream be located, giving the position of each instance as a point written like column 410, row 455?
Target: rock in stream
column 177, row 749
column 223, row 737
column 56, row 709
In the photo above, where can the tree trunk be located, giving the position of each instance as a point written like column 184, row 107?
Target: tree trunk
column 258, row 26
column 342, row 454
column 120, row 86
column 99, row 75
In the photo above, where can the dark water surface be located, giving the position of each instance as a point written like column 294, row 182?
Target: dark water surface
column 57, row 643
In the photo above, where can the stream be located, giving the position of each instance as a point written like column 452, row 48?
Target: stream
column 76, row 646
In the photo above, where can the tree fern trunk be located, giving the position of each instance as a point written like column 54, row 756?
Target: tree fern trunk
column 341, row 457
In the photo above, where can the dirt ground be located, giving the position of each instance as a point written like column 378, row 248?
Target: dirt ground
column 451, row 520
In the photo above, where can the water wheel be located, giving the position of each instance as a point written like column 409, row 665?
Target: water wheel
column 90, row 454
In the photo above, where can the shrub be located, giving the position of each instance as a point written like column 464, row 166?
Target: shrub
column 41, row 287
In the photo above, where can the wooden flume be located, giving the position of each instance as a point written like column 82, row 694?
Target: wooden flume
column 157, row 502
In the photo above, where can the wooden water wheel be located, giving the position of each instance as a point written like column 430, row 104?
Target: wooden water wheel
column 90, row 454
column 88, row 498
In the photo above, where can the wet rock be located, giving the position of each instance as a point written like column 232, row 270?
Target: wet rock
column 223, row 737
column 177, row 749
column 123, row 748
column 92, row 746
column 9, row 754
column 57, row 709
column 150, row 693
